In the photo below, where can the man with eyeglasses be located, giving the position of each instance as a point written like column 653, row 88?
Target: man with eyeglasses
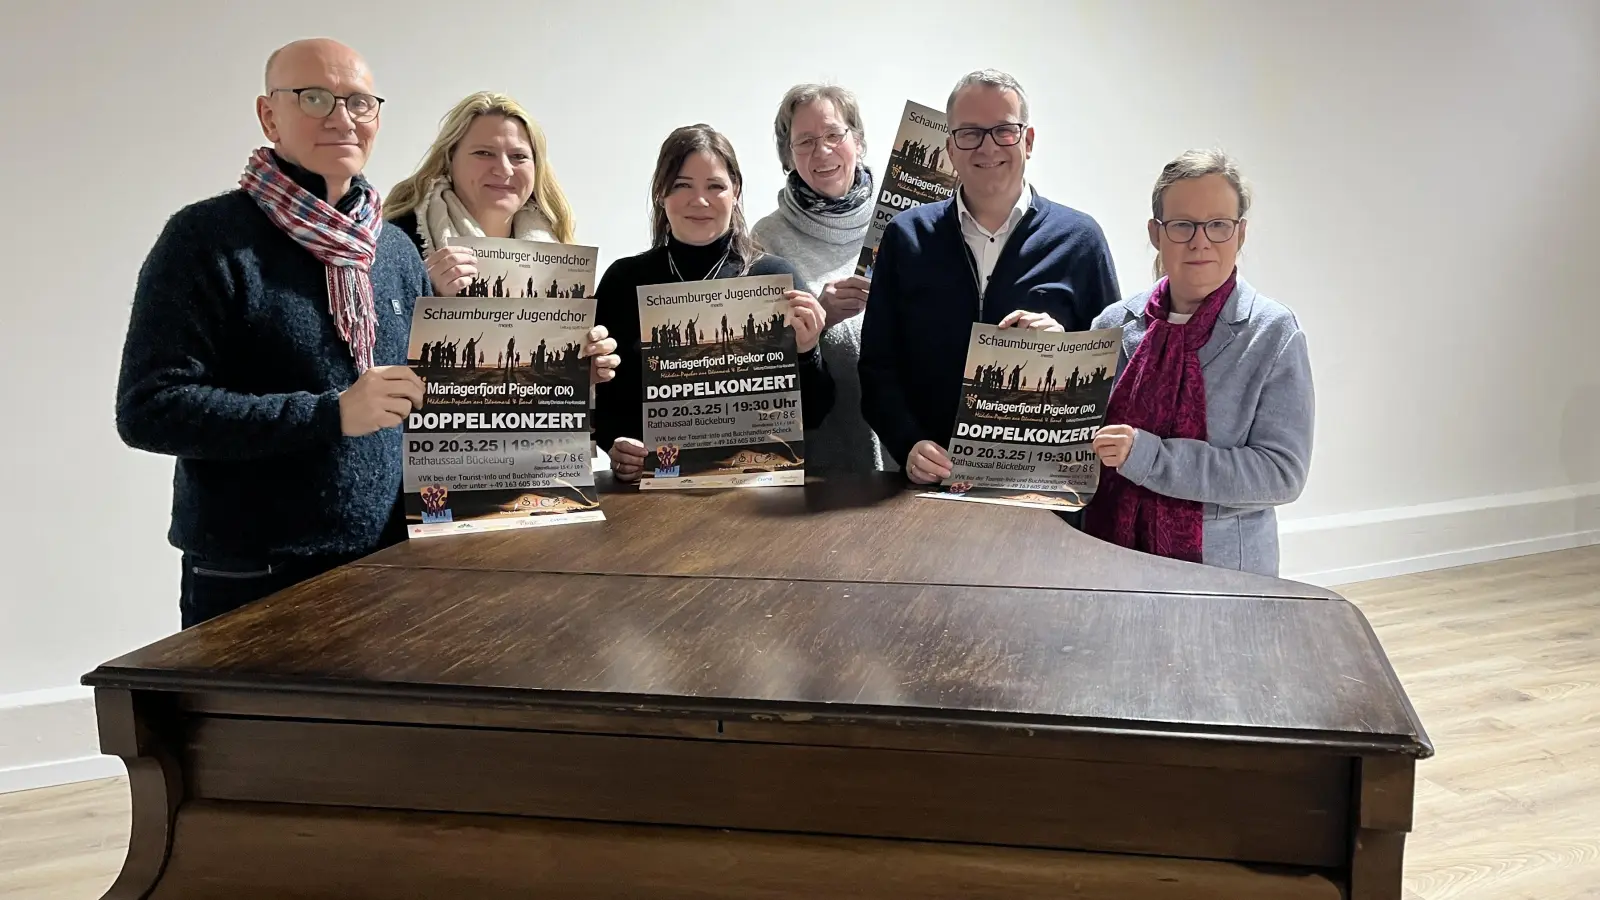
column 267, row 345
column 997, row 252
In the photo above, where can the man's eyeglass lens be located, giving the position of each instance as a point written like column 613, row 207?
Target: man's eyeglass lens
column 318, row 103
column 1004, row 135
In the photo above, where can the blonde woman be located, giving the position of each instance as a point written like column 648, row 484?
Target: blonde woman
column 486, row 175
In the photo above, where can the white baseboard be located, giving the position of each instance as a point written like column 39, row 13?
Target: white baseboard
column 66, row 771
column 1347, row 548
column 49, row 737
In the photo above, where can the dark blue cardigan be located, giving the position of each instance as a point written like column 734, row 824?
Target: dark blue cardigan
column 924, row 299
column 232, row 365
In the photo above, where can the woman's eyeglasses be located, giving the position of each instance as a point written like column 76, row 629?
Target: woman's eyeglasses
column 1181, row 231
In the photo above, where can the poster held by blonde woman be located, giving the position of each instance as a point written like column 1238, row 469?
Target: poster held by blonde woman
column 487, row 175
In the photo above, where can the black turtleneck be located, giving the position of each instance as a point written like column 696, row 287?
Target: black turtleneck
column 619, row 403
column 318, row 185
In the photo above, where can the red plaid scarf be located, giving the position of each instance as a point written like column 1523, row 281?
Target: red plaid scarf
column 346, row 244
column 1162, row 391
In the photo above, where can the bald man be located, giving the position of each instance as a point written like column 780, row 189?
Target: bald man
column 267, row 346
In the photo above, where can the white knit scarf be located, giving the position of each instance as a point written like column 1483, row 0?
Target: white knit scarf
column 441, row 216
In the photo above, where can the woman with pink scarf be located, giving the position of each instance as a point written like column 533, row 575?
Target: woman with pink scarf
column 1209, row 427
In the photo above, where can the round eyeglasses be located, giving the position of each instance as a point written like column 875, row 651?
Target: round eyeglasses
column 318, row 103
column 1005, row 134
column 809, row 146
column 1181, row 231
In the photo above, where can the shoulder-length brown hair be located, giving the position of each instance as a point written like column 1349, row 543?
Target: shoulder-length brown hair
column 678, row 147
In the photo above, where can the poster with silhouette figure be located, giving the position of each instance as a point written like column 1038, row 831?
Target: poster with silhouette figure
column 721, row 383
column 919, row 171
column 502, row 438
column 1031, row 402
column 516, row 269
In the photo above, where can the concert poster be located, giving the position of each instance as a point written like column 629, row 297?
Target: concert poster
column 1031, row 402
column 519, row 269
column 722, row 385
column 919, row 171
column 502, row 439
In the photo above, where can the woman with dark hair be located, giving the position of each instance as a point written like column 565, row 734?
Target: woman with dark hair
column 698, row 233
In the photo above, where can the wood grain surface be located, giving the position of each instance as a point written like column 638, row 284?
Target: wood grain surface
column 1226, row 665
column 846, row 528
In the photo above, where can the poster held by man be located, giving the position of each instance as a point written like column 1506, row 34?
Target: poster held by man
column 502, row 438
column 919, row 171
column 722, row 385
column 1030, row 404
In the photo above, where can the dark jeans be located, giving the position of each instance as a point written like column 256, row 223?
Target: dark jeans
column 213, row 587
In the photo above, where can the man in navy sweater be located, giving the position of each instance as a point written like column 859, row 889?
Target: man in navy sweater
column 267, row 344
column 996, row 252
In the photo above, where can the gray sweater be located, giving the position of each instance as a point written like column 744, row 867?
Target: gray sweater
column 824, row 249
column 1259, row 413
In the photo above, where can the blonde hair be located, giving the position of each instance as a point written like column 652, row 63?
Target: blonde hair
column 547, row 193
column 1196, row 164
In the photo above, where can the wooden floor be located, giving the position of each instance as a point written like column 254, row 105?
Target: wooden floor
column 1502, row 661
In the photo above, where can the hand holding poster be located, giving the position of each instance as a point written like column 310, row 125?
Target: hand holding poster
column 502, row 439
column 919, row 172
column 1031, row 402
column 722, row 385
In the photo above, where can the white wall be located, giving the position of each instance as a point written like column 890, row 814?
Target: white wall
column 1426, row 196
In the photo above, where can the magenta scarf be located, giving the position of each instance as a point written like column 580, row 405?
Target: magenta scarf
column 1162, row 391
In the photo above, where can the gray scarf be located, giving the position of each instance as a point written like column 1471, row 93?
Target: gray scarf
column 834, row 221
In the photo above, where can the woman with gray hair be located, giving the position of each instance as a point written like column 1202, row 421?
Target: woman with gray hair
column 823, row 212
column 1209, row 426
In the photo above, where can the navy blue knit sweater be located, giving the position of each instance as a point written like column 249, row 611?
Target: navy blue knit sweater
column 924, row 299
column 232, row 364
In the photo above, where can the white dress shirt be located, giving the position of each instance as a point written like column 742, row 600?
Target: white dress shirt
column 985, row 244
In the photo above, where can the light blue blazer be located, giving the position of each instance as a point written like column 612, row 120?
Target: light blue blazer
column 1260, row 409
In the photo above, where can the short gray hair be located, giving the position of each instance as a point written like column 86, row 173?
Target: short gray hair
column 801, row 94
column 989, row 78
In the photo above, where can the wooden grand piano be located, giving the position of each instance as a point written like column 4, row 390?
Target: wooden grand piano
column 837, row 691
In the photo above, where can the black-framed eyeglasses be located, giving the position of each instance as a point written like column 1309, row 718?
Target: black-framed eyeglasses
column 1181, row 231
column 319, row 103
column 1006, row 134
